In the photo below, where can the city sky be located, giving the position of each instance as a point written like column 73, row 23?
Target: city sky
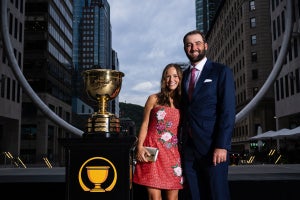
column 147, row 35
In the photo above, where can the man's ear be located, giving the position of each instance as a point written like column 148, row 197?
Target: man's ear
column 205, row 46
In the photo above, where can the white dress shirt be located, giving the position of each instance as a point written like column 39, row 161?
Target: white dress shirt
column 199, row 68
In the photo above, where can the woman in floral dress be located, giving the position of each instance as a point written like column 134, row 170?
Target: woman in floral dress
column 159, row 129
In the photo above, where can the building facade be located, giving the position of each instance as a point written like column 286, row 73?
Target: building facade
column 240, row 37
column 287, row 84
column 205, row 13
column 10, row 89
column 48, row 70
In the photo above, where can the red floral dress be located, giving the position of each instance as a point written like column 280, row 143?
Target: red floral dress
column 166, row 172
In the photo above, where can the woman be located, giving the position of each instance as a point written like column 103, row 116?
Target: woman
column 159, row 129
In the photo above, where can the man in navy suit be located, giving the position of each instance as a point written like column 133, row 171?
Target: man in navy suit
column 208, row 118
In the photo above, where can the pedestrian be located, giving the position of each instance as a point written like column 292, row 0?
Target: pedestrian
column 208, row 118
column 159, row 129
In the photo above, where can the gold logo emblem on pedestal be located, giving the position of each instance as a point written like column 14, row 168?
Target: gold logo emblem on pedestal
column 97, row 175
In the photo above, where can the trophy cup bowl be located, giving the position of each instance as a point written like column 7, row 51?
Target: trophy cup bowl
column 97, row 175
column 103, row 85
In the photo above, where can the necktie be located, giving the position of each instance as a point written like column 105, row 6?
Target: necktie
column 192, row 82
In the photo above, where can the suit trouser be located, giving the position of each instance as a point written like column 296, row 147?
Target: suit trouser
column 203, row 181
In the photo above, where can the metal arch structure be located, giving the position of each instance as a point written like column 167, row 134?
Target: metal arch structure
column 25, row 85
column 56, row 119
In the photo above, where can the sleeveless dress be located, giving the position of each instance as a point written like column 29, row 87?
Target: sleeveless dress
column 166, row 172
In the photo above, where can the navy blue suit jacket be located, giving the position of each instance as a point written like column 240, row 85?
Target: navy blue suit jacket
column 211, row 113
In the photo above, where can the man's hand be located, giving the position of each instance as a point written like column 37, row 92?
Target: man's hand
column 219, row 155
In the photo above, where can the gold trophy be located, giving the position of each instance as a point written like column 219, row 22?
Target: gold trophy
column 103, row 85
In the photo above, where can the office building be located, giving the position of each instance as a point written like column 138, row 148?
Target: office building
column 287, row 85
column 10, row 89
column 240, row 37
column 48, row 70
column 205, row 13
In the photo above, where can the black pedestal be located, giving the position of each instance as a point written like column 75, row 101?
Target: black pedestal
column 99, row 167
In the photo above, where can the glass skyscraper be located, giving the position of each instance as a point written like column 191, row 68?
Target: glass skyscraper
column 205, row 12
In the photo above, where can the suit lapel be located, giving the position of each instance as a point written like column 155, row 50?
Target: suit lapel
column 204, row 74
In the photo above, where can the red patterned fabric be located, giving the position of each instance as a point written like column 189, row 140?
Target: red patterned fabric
column 166, row 172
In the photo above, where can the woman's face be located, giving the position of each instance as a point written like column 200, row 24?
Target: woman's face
column 172, row 78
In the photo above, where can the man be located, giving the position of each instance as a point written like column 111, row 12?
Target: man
column 208, row 117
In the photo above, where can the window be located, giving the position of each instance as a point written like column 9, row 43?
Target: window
column 60, row 111
column 295, row 48
column 19, row 59
column 29, row 110
column 253, row 56
column 253, row 39
column 16, row 28
column 286, row 80
column 252, row 5
column 82, row 108
column 292, row 78
column 273, row 5
column 282, row 21
column 21, row 6
column 281, row 88
column 274, row 30
column 3, row 85
column 10, row 23
column 13, row 93
column 255, row 90
column 51, row 132
column 20, row 32
column 17, row 4
column 28, row 132
column 277, row 90
column 290, row 54
column 8, row 87
column 18, row 93
column 254, row 74
column 275, row 55
column 297, row 77
column 68, row 117
column 252, row 22
column 278, row 26
column 52, row 107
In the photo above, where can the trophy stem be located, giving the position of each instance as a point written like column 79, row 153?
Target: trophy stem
column 102, row 104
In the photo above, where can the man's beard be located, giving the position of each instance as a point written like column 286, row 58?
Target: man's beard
column 198, row 58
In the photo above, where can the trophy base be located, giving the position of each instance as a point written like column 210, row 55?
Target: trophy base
column 103, row 125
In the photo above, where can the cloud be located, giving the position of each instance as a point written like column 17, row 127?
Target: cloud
column 147, row 35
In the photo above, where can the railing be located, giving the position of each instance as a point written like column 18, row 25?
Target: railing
column 13, row 160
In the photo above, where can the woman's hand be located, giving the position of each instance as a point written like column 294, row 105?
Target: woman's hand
column 142, row 154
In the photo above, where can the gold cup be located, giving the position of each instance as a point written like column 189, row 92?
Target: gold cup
column 97, row 175
column 103, row 85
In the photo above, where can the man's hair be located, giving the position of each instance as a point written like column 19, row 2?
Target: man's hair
column 193, row 33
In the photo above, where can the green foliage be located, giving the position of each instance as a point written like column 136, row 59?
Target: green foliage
column 132, row 111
